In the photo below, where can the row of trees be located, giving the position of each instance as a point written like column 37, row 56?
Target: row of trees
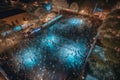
column 109, row 67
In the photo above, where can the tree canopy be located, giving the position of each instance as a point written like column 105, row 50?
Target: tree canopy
column 110, row 38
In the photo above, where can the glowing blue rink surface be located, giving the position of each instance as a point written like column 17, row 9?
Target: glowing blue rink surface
column 51, row 55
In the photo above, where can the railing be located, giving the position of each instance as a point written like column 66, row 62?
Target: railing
column 4, row 74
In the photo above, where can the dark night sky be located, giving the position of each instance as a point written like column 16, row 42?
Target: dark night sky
column 26, row 1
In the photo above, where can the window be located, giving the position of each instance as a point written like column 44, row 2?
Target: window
column 12, row 23
column 17, row 22
column 24, row 19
